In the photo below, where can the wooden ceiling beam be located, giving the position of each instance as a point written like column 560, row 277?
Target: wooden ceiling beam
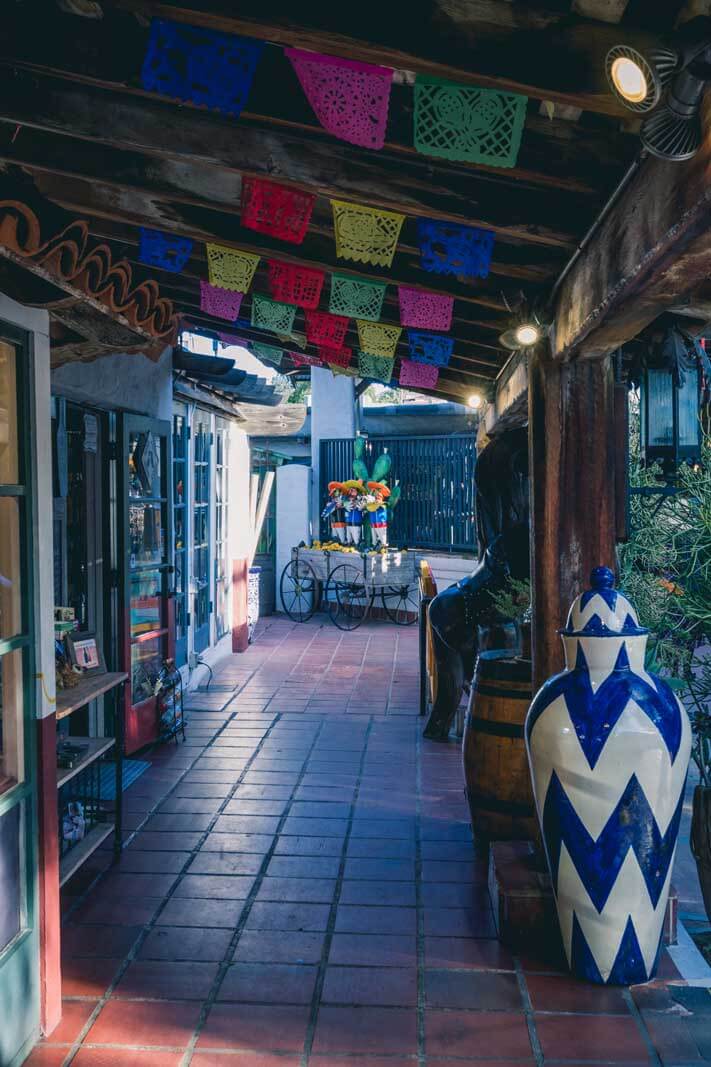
column 133, row 209
column 414, row 185
column 546, row 54
column 483, row 365
column 212, row 187
column 649, row 254
column 186, row 286
column 602, row 10
column 574, row 157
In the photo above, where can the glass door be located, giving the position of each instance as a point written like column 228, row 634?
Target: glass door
column 202, row 605
column 180, row 534
column 147, row 540
column 223, row 569
column 19, row 959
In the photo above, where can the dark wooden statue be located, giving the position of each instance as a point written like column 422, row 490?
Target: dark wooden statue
column 455, row 614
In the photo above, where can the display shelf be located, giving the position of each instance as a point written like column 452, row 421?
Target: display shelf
column 89, row 688
column 81, row 852
column 96, row 748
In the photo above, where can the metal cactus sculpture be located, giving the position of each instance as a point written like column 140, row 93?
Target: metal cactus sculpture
column 380, row 499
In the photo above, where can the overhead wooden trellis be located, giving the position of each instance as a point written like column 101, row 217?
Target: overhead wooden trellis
column 178, row 168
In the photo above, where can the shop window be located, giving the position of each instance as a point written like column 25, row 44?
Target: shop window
column 180, row 532
column 10, row 884
column 222, row 556
column 148, row 557
column 9, row 460
column 14, row 546
column 201, row 531
column 19, row 948
column 77, row 527
column 11, row 719
column 10, row 568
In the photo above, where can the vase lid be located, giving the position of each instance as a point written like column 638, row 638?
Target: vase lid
column 602, row 610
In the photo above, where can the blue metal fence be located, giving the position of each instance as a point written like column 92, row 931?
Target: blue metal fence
column 436, row 475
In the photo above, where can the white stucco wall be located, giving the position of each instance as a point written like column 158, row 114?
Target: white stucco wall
column 333, row 414
column 125, row 381
column 37, row 322
column 448, row 570
column 293, row 511
column 240, row 463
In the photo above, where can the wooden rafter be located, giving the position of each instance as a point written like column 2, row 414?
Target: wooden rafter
column 206, row 186
column 546, row 54
column 650, row 253
column 134, row 211
column 414, row 185
column 572, row 157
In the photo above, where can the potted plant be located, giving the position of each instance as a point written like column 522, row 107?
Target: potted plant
column 700, row 711
column 513, row 604
column 666, row 568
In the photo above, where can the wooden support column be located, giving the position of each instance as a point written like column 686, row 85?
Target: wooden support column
column 571, row 447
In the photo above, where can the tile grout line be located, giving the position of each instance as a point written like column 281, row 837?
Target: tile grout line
column 529, row 1013
column 209, row 1001
column 211, row 998
column 641, row 1027
column 132, row 953
column 149, row 926
column 166, row 796
column 331, row 925
column 421, row 992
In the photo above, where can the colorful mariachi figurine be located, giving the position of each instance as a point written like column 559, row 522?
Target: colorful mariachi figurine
column 378, row 512
column 334, row 509
column 354, row 504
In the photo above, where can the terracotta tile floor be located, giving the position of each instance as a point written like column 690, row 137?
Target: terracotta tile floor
column 299, row 887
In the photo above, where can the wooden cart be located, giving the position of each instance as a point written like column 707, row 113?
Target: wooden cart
column 346, row 584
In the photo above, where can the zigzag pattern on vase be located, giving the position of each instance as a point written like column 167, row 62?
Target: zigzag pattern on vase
column 608, row 929
column 599, row 611
column 599, row 861
column 625, row 752
column 69, row 257
column 594, row 712
column 629, row 967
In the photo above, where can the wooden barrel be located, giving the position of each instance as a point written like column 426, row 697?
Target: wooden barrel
column 498, row 782
column 428, row 591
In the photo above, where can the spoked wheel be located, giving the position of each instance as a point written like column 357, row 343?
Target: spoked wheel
column 347, row 597
column 299, row 589
column 401, row 604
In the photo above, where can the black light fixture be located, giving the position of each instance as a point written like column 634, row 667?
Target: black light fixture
column 668, row 366
column 668, row 82
column 528, row 324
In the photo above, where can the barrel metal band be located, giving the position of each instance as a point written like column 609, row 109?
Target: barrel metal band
column 495, row 729
column 485, row 690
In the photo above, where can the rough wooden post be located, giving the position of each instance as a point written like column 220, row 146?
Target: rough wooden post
column 571, row 447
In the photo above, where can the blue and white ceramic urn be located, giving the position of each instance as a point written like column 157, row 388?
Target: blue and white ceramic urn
column 609, row 747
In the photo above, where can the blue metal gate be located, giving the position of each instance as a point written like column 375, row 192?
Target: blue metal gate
column 436, row 475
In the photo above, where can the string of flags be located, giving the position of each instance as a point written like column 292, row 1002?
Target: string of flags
column 293, row 287
column 351, row 101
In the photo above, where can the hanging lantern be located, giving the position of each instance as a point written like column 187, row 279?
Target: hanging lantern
column 670, row 380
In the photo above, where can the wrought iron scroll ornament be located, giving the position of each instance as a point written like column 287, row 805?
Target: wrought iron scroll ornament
column 71, row 259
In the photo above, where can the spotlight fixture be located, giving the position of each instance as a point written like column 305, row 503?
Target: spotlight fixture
column 524, row 335
column 669, row 82
column 474, row 401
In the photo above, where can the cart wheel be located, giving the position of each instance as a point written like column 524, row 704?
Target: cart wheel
column 347, row 597
column 401, row 604
column 299, row 589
